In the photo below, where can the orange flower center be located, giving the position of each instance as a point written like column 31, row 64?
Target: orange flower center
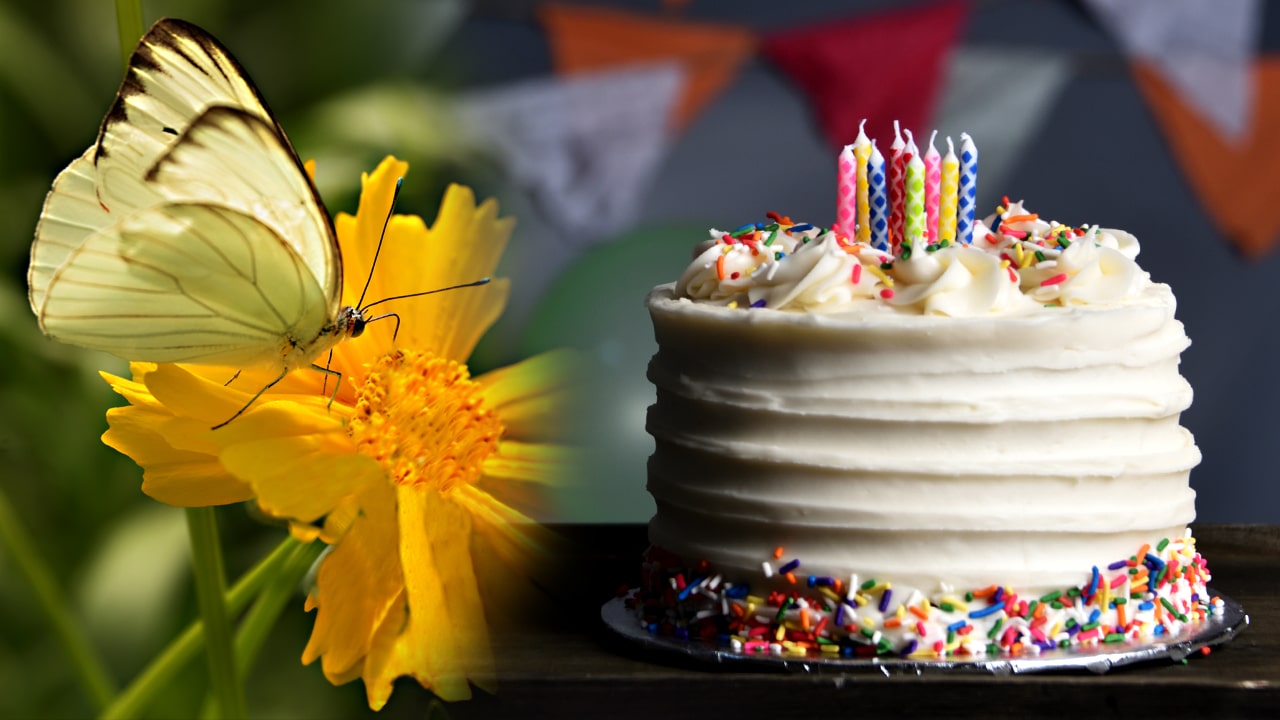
column 424, row 420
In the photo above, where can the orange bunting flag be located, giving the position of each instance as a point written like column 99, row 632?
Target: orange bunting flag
column 881, row 66
column 585, row 39
column 1236, row 181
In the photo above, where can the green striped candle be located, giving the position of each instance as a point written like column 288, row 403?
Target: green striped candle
column 914, row 222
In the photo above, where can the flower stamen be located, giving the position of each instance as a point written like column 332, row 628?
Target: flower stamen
column 424, row 419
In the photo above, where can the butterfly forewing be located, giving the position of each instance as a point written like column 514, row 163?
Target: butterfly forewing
column 186, row 283
column 175, row 74
column 71, row 212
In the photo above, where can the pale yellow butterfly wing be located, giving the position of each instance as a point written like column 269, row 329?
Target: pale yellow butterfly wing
column 187, row 128
column 176, row 73
column 186, row 283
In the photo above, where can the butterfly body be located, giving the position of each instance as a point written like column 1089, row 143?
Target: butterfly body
column 190, row 232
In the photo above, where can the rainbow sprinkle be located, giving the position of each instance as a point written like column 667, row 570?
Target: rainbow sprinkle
column 1150, row 594
column 1022, row 240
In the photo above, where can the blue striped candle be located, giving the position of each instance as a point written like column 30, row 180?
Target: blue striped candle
column 878, row 199
column 968, row 190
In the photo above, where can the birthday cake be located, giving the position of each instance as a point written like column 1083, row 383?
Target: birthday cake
column 969, row 449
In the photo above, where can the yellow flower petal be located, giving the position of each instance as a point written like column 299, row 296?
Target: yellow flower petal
column 187, row 394
column 521, row 544
column 446, row 639
column 534, row 396
column 301, row 476
column 526, row 537
column 462, row 246
column 358, row 584
column 135, row 390
column 358, row 235
column 176, row 477
column 530, row 462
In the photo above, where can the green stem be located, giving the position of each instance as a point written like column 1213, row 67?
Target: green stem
column 89, row 668
column 169, row 663
column 128, row 26
column 206, row 561
column 257, row 623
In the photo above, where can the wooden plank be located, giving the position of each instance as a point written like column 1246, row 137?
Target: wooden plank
column 562, row 662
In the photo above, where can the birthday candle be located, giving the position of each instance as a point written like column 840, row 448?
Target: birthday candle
column 913, row 201
column 968, row 189
column 861, row 152
column 897, row 173
column 950, row 183
column 932, row 182
column 878, row 199
column 846, row 191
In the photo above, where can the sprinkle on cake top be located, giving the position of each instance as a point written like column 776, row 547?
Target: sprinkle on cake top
column 1016, row 263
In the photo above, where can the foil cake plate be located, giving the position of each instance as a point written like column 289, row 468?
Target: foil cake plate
column 622, row 621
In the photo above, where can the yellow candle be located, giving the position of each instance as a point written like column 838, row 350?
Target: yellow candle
column 861, row 154
column 949, row 194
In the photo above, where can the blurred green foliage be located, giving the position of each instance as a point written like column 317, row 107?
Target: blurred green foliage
column 351, row 82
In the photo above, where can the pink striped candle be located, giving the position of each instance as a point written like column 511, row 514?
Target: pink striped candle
column 897, row 174
column 932, row 189
column 949, row 189
column 862, row 153
column 846, row 191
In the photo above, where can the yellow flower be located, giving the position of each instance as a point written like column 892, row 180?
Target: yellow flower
column 418, row 474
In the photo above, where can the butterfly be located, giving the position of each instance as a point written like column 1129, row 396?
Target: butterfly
column 190, row 231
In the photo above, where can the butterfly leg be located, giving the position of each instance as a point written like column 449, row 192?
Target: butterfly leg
column 394, row 333
column 252, row 400
column 336, row 385
column 324, row 387
column 233, row 379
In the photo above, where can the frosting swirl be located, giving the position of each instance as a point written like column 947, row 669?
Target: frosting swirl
column 1017, row 264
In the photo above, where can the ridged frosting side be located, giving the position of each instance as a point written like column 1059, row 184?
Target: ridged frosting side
column 1018, row 449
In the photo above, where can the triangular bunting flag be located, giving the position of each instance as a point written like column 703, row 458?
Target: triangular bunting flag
column 584, row 147
column 882, row 66
column 1235, row 181
column 585, row 39
column 1204, row 50
column 1002, row 116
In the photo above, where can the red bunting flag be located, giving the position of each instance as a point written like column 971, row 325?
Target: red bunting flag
column 584, row 39
column 883, row 66
column 1235, row 181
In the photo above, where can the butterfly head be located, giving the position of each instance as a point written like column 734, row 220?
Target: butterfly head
column 351, row 322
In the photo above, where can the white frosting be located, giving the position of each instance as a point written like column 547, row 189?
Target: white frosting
column 958, row 433
column 1023, row 265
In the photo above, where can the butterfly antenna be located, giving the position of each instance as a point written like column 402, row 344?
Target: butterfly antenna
column 390, row 211
column 473, row 283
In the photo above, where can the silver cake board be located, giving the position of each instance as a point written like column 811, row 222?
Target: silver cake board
column 623, row 622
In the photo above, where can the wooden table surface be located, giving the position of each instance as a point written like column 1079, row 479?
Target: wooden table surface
column 574, row 667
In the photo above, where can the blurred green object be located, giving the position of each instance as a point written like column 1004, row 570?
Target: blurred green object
column 119, row 559
column 597, row 307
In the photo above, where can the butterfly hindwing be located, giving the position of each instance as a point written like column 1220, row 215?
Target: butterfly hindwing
column 233, row 158
column 186, row 282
